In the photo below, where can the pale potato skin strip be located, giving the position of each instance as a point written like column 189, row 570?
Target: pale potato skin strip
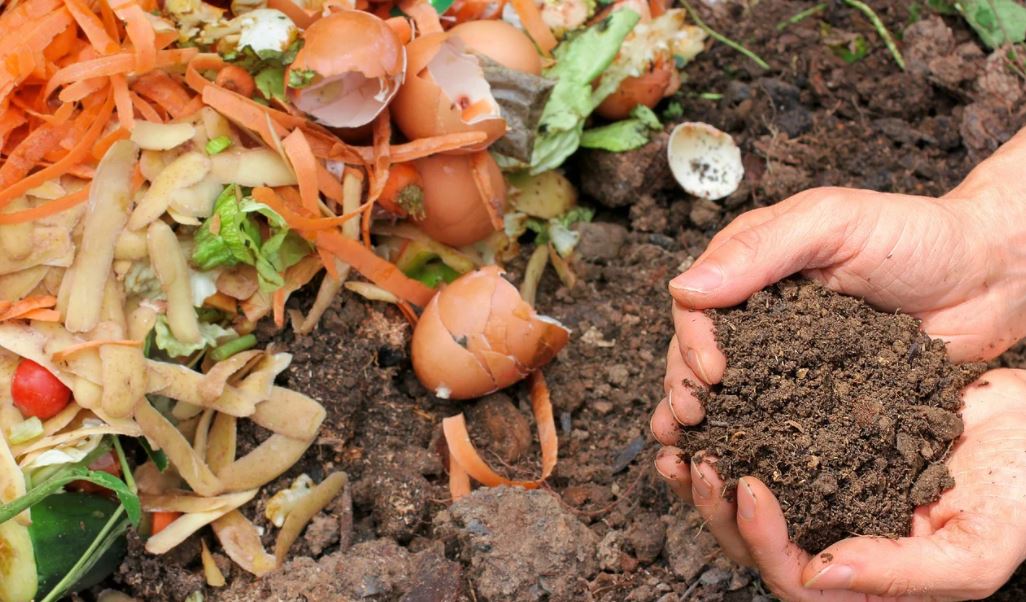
column 110, row 199
column 169, row 263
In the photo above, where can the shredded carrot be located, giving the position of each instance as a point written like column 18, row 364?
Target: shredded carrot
column 91, row 26
column 530, row 17
column 278, row 307
column 161, row 520
column 28, row 153
column 422, row 147
column 236, row 79
column 657, row 8
column 408, row 313
column 16, row 310
column 103, row 144
column 42, row 315
column 378, row 169
column 245, row 112
column 299, row 222
column 297, row 149
column 47, row 209
column 145, row 109
column 463, row 453
column 221, row 301
column 459, row 480
column 379, row 271
column 123, row 101
column 140, row 32
column 162, row 89
column 75, row 92
column 62, row 354
column 479, row 168
column 105, row 66
column 400, row 177
column 75, row 156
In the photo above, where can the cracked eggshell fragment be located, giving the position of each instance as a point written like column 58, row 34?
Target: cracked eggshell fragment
column 358, row 64
column 455, row 210
column 704, row 160
column 478, row 335
column 501, row 42
column 446, row 93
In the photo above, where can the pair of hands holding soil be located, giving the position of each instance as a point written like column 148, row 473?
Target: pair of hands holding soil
column 958, row 264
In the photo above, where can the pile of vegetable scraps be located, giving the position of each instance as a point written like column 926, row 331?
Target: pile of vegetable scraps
column 171, row 172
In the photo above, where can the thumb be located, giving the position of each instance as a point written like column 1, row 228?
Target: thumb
column 955, row 562
column 807, row 234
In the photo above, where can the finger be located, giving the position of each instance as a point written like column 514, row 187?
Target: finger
column 747, row 220
column 764, row 530
column 664, row 426
column 697, row 343
column 678, row 384
column 707, row 490
column 807, row 236
column 957, row 562
column 672, row 467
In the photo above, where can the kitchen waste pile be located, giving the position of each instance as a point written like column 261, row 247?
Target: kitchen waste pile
column 170, row 173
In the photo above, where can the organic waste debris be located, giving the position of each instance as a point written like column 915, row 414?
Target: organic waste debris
column 845, row 412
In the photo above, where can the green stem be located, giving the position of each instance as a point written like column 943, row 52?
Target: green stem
column 232, row 347
column 801, row 16
column 880, row 29
column 719, row 37
column 125, row 469
column 103, row 539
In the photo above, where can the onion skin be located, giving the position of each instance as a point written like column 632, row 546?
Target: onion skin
column 455, row 212
column 501, row 42
column 421, row 109
column 478, row 335
column 646, row 89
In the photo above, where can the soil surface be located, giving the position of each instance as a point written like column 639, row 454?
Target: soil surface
column 605, row 529
column 847, row 413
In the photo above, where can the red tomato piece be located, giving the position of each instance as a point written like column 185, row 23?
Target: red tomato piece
column 37, row 392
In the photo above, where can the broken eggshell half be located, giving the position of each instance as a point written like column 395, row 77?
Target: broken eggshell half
column 446, row 93
column 478, row 335
column 704, row 160
column 464, row 197
column 358, row 64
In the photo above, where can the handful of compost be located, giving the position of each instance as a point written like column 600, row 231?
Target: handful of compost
column 845, row 412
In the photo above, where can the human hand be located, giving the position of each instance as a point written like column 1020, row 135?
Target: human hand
column 964, row 546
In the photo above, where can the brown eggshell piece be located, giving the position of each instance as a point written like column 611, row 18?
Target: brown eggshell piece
column 442, row 364
column 424, row 108
column 454, row 212
column 512, row 341
column 501, row 42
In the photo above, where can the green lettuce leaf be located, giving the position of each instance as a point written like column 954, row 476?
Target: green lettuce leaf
column 209, row 334
column 996, row 21
column 625, row 135
column 238, row 240
column 579, row 60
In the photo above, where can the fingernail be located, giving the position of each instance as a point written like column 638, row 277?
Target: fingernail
column 701, row 485
column 835, row 576
column 745, row 500
column 694, row 360
column 701, row 279
column 669, row 402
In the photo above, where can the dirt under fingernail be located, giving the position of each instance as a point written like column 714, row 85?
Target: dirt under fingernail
column 846, row 413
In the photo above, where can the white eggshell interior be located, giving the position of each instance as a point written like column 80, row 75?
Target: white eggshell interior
column 461, row 79
column 704, row 160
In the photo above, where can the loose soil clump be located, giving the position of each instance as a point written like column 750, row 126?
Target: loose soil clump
column 845, row 412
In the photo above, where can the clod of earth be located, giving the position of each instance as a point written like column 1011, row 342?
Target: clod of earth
column 846, row 413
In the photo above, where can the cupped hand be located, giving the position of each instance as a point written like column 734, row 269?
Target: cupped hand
column 964, row 546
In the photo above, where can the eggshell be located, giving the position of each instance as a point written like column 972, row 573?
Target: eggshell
column 704, row 160
column 478, row 335
column 441, row 81
column 647, row 89
column 454, row 210
column 359, row 65
column 501, row 42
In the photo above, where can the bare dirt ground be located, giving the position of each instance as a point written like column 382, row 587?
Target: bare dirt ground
column 604, row 528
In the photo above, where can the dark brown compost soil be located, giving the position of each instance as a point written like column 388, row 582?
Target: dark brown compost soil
column 611, row 532
column 846, row 413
